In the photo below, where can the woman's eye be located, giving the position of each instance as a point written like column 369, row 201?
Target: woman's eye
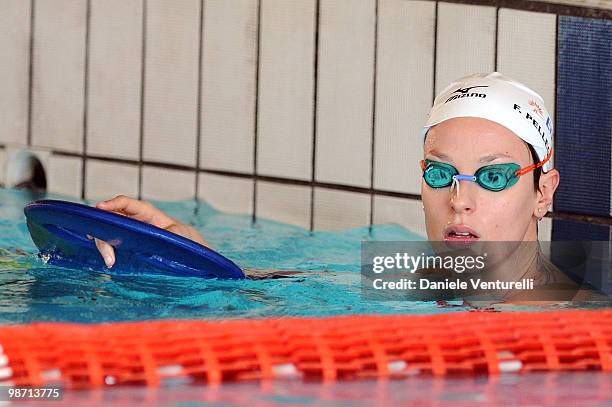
column 439, row 174
column 493, row 178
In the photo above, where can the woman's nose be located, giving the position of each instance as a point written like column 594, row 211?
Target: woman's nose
column 462, row 196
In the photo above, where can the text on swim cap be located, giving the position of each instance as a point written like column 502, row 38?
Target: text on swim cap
column 536, row 125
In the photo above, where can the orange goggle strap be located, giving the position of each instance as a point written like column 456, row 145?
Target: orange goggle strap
column 525, row 170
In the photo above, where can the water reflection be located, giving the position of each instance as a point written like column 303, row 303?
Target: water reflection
column 536, row 389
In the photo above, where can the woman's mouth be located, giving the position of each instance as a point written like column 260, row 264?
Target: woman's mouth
column 460, row 233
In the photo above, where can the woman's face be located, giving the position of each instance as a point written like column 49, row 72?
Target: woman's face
column 467, row 144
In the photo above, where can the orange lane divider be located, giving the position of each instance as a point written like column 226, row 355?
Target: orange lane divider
column 156, row 353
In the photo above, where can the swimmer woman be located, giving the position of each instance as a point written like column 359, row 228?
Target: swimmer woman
column 488, row 176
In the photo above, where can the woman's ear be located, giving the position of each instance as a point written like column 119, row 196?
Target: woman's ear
column 548, row 185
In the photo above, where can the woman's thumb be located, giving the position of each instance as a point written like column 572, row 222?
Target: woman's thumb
column 107, row 252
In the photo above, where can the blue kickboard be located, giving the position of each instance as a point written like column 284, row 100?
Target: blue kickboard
column 59, row 229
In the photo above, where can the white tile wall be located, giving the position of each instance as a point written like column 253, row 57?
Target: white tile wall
column 171, row 82
column 466, row 42
column 59, row 58
column 286, row 88
column 228, row 81
column 344, row 120
column 114, row 78
column 167, row 184
column 14, row 70
column 526, row 51
column 340, row 209
column 404, row 92
column 284, row 203
column 64, row 176
column 404, row 212
column 104, row 180
column 228, row 194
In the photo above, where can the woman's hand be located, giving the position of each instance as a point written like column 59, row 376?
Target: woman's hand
column 144, row 212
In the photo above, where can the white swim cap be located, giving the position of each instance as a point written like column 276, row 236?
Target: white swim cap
column 503, row 100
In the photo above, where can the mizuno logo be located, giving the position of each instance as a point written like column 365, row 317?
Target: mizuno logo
column 466, row 90
column 463, row 93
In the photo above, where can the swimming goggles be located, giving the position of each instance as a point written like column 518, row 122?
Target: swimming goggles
column 495, row 177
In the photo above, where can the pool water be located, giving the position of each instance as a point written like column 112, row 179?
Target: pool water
column 34, row 291
column 535, row 389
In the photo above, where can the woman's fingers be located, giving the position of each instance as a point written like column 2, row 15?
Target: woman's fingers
column 120, row 203
column 127, row 206
column 140, row 210
column 107, row 252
